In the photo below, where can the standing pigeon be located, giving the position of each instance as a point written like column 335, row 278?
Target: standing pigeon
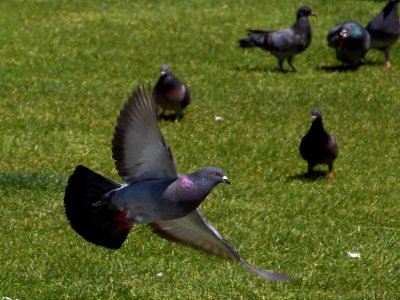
column 170, row 93
column 384, row 29
column 103, row 211
column 285, row 43
column 318, row 146
column 351, row 41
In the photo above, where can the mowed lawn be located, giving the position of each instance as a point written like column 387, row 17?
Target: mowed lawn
column 67, row 67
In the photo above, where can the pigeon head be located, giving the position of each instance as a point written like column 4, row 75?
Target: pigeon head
column 212, row 175
column 197, row 185
column 316, row 114
column 305, row 11
column 165, row 69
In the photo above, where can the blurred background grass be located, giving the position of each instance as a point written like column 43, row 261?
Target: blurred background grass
column 67, row 67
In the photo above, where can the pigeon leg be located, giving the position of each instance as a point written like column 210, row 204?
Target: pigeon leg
column 387, row 58
column 280, row 62
column 122, row 223
column 329, row 176
column 178, row 118
column 310, row 170
column 290, row 64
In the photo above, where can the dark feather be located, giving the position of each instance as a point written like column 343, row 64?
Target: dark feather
column 89, row 210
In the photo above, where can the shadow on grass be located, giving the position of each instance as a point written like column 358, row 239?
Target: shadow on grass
column 339, row 68
column 261, row 69
column 346, row 68
column 316, row 175
column 30, row 181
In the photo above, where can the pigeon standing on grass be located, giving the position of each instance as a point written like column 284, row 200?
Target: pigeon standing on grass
column 103, row 211
column 351, row 41
column 318, row 146
column 171, row 94
column 285, row 43
column 384, row 29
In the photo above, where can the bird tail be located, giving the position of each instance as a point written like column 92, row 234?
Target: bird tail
column 248, row 43
column 88, row 207
column 257, row 38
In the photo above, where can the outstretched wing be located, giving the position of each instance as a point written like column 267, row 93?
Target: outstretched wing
column 139, row 148
column 194, row 230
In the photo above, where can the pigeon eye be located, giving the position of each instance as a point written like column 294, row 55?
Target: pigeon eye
column 216, row 174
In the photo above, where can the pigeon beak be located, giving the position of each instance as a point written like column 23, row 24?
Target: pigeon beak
column 313, row 14
column 226, row 180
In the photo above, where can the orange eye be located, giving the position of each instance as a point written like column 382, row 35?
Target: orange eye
column 216, row 174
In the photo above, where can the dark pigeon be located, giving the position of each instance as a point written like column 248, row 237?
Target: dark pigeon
column 103, row 211
column 384, row 29
column 318, row 146
column 171, row 94
column 285, row 43
column 351, row 41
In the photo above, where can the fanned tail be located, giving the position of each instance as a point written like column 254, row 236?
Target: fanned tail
column 90, row 211
column 256, row 38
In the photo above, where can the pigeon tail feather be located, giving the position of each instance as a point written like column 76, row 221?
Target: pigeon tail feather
column 248, row 43
column 89, row 209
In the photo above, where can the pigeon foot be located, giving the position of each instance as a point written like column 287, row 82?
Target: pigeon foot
column 120, row 218
column 329, row 176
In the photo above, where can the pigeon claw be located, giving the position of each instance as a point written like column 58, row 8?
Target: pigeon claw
column 121, row 215
column 124, row 225
column 120, row 218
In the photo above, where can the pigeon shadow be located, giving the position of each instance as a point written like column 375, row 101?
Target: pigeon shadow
column 373, row 63
column 316, row 175
column 339, row 68
column 261, row 69
column 346, row 68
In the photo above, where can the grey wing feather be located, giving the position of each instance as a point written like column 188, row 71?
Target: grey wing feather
column 194, row 230
column 139, row 148
column 281, row 40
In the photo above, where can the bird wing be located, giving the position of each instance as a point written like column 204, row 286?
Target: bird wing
column 281, row 40
column 332, row 146
column 333, row 36
column 194, row 230
column 139, row 148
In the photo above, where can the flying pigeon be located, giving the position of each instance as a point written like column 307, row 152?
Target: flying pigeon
column 384, row 29
column 285, row 43
column 351, row 41
column 103, row 211
column 318, row 146
column 170, row 93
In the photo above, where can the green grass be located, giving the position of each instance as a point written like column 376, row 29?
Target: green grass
column 66, row 68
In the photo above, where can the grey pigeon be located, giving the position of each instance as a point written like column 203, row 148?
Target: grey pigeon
column 170, row 93
column 103, row 211
column 351, row 41
column 318, row 146
column 285, row 43
column 384, row 29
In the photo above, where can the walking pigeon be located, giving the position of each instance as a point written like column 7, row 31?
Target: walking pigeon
column 170, row 93
column 285, row 43
column 318, row 146
column 384, row 29
column 103, row 211
column 351, row 41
